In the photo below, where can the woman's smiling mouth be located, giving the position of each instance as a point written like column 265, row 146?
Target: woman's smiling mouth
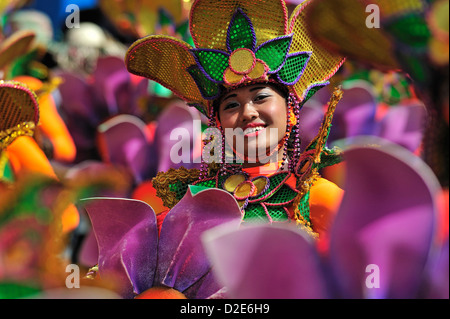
column 252, row 130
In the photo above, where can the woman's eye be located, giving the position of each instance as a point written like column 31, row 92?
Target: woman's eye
column 230, row 106
column 261, row 97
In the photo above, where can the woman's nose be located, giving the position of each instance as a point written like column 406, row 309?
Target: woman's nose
column 249, row 112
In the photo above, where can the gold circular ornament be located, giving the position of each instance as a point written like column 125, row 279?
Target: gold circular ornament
column 230, row 77
column 261, row 183
column 232, row 182
column 242, row 61
column 244, row 190
column 258, row 71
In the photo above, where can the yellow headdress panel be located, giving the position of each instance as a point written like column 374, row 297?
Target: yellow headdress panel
column 209, row 20
column 19, row 112
column 322, row 63
column 16, row 45
column 165, row 60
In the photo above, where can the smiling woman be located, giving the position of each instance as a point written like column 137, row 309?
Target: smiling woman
column 250, row 73
column 251, row 81
column 257, row 114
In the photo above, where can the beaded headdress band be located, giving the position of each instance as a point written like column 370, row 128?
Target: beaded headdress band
column 237, row 42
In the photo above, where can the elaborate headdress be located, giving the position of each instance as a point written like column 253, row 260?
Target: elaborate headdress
column 236, row 42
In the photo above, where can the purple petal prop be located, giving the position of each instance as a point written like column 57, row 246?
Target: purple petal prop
column 181, row 258
column 178, row 137
column 110, row 77
column 89, row 250
column 382, row 233
column 404, row 125
column 437, row 281
column 127, row 238
column 76, row 97
column 266, row 262
column 77, row 110
column 123, row 142
column 204, row 288
column 355, row 113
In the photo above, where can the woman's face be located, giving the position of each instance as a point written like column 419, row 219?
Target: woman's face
column 254, row 120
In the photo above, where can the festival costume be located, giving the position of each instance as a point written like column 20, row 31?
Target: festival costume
column 251, row 50
column 235, row 47
column 173, row 259
column 19, row 153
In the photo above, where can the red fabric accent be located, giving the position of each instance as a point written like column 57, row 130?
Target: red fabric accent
column 160, row 219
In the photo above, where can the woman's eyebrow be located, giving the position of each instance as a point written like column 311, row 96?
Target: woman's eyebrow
column 229, row 96
column 257, row 88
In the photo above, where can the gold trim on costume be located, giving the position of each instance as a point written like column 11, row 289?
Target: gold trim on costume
column 9, row 135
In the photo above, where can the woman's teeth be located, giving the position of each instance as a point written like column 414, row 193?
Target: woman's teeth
column 251, row 130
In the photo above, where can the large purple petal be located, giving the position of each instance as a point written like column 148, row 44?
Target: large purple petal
column 123, row 141
column 127, row 239
column 266, row 262
column 110, row 76
column 178, row 137
column 76, row 97
column 181, row 258
column 385, row 224
column 355, row 113
column 204, row 288
column 437, row 282
column 88, row 255
column 404, row 125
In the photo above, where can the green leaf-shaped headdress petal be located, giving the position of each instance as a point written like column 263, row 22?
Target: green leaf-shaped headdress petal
column 293, row 68
column 312, row 89
column 274, row 52
column 212, row 62
column 240, row 32
column 208, row 88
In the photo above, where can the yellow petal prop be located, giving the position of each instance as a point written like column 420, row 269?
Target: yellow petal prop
column 164, row 59
column 322, row 64
column 19, row 113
